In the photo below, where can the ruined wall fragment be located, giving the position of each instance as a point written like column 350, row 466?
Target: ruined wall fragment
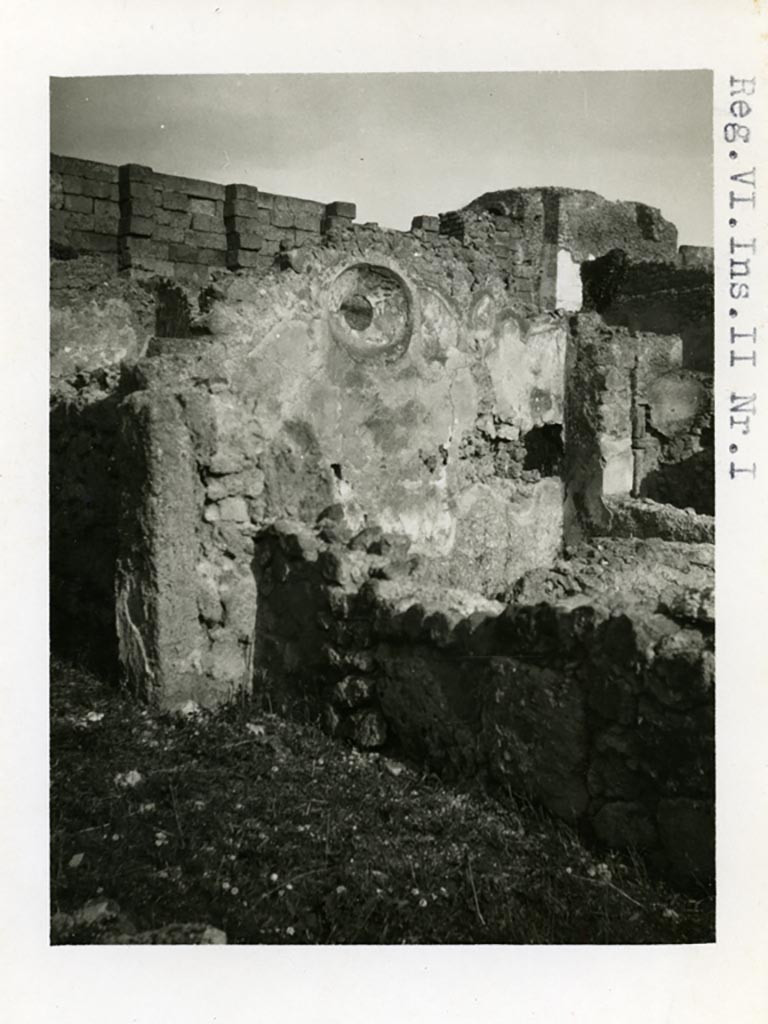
column 597, row 708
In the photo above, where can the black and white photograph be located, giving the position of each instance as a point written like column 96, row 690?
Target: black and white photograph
column 375, row 396
column 394, row 535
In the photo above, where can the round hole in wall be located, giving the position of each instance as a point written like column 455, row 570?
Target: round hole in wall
column 358, row 312
column 371, row 311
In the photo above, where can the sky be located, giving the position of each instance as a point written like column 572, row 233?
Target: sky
column 399, row 145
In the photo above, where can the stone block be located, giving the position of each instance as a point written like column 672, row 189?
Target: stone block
column 368, row 729
column 93, row 241
column 178, row 201
column 72, row 184
column 242, row 258
column 207, row 223
column 243, row 216
column 202, row 207
column 439, row 627
column 84, row 168
column 169, row 233
column 138, row 208
column 535, row 731
column 284, row 218
column 192, row 187
column 236, row 193
column 141, row 226
column 96, row 189
column 183, row 253
column 233, row 510
column 346, row 211
column 106, row 224
column 78, row 204
column 206, row 239
column 310, row 222
column 137, row 247
column 64, row 221
column 158, row 624
column 138, row 191
column 680, row 674
column 353, row 691
column 106, row 208
column 136, row 173
column 426, row 223
column 245, row 240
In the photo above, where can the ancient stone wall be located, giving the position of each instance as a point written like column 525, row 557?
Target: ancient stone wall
column 541, row 236
column 596, row 706
column 636, row 423
column 98, row 322
column 178, row 228
column 346, row 466
column 412, row 401
column 671, row 297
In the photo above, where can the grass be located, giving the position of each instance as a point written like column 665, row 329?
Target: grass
column 272, row 832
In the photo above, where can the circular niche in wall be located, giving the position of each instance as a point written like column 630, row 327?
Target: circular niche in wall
column 371, row 312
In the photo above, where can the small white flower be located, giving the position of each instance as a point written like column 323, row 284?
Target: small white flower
column 234, row 890
column 254, row 729
column 422, row 902
column 290, row 931
column 273, row 877
column 94, row 716
column 189, row 709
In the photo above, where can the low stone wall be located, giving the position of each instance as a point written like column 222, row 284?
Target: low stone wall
column 603, row 716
